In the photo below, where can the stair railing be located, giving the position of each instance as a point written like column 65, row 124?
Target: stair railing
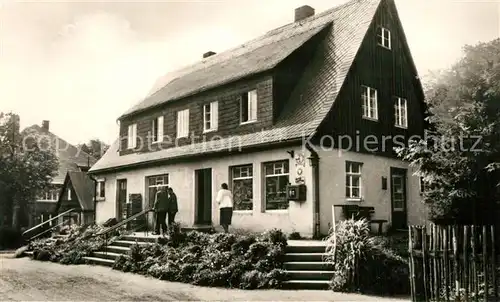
column 122, row 223
column 45, row 223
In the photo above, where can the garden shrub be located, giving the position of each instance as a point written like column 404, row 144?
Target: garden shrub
column 221, row 260
column 364, row 263
column 294, row 236
column 10, row 238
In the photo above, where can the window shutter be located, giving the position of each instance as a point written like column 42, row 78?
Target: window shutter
column 253, row 105
column 214, row 115
column 160, row 129
column 179, row 123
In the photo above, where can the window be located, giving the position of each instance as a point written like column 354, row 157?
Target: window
column 49, row 195
column 153, row 183
column 353, row 180
column 400, row 112
column 157, row 129
column 210, row 117
column 369, row 98
column 101, row 189
column 384, row 37
column 132, row 136
column 242, row 187
column 422, row 185
column 183, row 123
column 69, row 193
column 249, row 107
column 276, row 179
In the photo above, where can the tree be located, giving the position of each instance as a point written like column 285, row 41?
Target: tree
column 27, row 166
column 460, row 160
column 94, row 147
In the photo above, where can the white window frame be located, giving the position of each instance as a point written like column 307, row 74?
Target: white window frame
column 101, row 184
column 158, row 184
column 251, row 99
column 157, row 129
column 276, row 173
column 370, row 111
column 401, row 112
column 384, row 37
column 132, row 136
column 421, row 183
column 183, row 123
column 210, row 117
column 69, row 193
column 49, row 195
column 350, row 175
column 249, row 175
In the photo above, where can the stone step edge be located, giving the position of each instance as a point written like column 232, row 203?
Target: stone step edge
column 96, row 259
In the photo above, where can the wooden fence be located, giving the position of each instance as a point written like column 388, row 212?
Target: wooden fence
column 453, row 263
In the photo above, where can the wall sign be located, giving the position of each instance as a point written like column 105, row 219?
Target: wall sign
column 300, row 164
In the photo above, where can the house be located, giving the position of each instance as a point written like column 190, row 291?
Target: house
column 70, row 158
column 280, row 109
column 77, row 193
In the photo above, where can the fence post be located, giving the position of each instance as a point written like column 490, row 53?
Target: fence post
column 494, row 262
column 411, row 264
column 424, row 262
column 485, row 262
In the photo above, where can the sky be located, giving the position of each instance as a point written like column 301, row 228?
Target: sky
column 80, row 65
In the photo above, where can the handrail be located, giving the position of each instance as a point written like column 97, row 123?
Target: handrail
column 46, row 231
column 123, row 222
column 48, row 221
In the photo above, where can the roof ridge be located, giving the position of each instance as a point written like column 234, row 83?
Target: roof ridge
column 200, row 64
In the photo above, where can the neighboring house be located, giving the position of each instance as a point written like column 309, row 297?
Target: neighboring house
column 70, row 159
column 255, row 116
column 77, row 193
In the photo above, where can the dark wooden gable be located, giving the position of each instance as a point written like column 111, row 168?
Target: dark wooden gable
column 392, row 73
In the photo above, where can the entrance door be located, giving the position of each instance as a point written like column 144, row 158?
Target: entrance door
column 203, row 196
column 398, row 198
column 121, row 199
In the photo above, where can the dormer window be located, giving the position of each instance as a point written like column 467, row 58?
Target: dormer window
column 249, row 107
column 132, row 136
column 183, row 123
column 157, row 129
column 384, row 37
column 210, row 117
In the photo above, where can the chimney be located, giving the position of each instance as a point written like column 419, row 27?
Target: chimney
column 45, row 125
column 303, row 12
column 208, row 54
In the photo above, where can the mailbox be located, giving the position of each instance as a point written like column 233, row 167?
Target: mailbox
column 296, row 192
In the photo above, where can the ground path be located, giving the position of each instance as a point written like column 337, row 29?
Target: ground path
column 28, row 280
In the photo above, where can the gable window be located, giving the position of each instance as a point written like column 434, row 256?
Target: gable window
column 249, row 107
column 101, row 189
column 154, row 183
column 242, row 187
column 353, row 180
column 210, row 117
column 69, row 194
column 276, row 181
column 157, row 129
column 132, row 136
column 370, row 103
column 384, row 37
column 183, row 123
column 400, row 112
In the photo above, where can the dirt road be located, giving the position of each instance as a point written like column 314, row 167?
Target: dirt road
column 28, row 280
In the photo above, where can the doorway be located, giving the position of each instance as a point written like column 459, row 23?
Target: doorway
column 399, row 198
column 121, row 199
column 203, row 196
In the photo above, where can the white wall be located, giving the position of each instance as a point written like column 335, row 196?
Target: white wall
column 332, row 186
column 298, row 217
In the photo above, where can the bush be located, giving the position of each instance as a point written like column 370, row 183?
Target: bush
column 10, row 238
column 294, row 236
column 222, row 260
column 363, row 263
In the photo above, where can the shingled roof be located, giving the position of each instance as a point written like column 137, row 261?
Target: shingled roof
column 70, row 157
column 310, row 101
column 84, row 189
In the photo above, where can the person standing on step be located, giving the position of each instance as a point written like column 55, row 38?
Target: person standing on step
column 225, row 201
column 160, row 207
column 172, row 206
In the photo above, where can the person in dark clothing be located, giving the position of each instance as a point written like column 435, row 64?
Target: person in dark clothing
column 172, row 206
column 161, row 207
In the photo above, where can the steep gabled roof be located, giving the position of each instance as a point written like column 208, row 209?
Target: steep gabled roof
column 310, row 101
column 70, row 157
column 84, row 189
